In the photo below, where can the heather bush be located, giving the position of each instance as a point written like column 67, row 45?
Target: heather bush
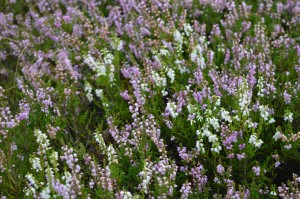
column 149, row 99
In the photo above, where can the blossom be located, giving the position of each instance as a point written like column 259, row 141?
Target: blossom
column 288, row 116
column 171, row 108
column 220, row 169
column 254, row 141
column 256, row 170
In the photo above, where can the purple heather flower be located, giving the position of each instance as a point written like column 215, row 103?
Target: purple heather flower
column 240, row 156
column 256, row 170
column 220, row 169
column 287, row 97
column 242, row 146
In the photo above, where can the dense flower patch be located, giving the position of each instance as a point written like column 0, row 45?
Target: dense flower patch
column 149, row 99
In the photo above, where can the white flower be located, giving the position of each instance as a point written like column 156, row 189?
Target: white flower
column 273, row 193
column 254, row 141
column 263, row 112
column 108, row 58
column 41, row 139
column 200, row 146
column 88, row 89
column 216, row 147
column 89, row 96
column 100, row 69
column 212, row 138
column 99, row 93
column 111, row 153
column 144, row 87
column 159, row 81
column 225, row 115
column 36, row 165
column 260, row 87
column 31, row 180
column 164, row 93
column 126, row 195
column 277, row 136
column 271, row 121
column 177, row 36
column 45, row 194
column 171, row 107
column 214, row 122
column 164, row 52
column 187, row 29
column 196, row 57
column 99, row 139
column 171, row 75
column 288, row 116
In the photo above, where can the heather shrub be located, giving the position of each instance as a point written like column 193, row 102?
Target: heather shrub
column 149, row 99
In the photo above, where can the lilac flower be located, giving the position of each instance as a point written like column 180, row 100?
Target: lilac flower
column 240, row 156
column 256, row 170
column 185, row 190
column 220, row 169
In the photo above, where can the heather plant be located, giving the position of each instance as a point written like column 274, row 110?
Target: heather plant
column 149, row 99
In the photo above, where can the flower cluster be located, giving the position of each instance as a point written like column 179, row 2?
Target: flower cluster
column 149, row 99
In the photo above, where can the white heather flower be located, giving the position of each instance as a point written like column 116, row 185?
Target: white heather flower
column 171, row 75
column 249, row 123
column 206, row 132
column 126, row 195
column 187, row 29
column 159, row 81
column 177, row 36
column 36, row 165
column 45, row 194
column 108, row 58
column 214, row 122
column 108, row 61
column 263, row 112
column 99, row 93
column 164, row 52
column 100, row 69
column 99, row 139
column 164, row 93
column 182, row 69
column 89, row 96
column 277, row 136
column 212, row 138
column 146, row 175
column 88, row 89
column 197, row 57
column 50, row 173
column 244, row 98
column 254, row 141
column 218, row 101
column 236, row 118
column 225, row 115
column 111, row 74
column 260, row 87
column 200, row 146
column 273, row 193
column 117, row 44
column 216, row 147
column 144, row 87
column 288, row 147
column 288, row 116
column 41, row 139
column 31, row 180
column 111, row 153
column 271, row 121
column 171, row 107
